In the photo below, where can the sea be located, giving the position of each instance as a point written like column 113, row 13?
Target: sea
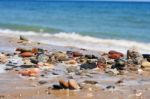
column 93, row 25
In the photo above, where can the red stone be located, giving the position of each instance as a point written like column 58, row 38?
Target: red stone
column 77, row 54
column 26, row 54
column 115, row 52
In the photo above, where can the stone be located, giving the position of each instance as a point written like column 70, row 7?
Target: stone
column 115, row 55
column 3, row 58
column 119, row 64
column 23, row 50
column 42, row 82
column 146, row 56
column 42, row 58
column 88, row 66
column 72, row 69
column 90, row 82
column 91, row 57
column 112, row 71
column 23, row 38
column 73, row 84
column 101, row 63
column 26, row 54
column 60, row 56
column 146, row 66
column 71, row 62
column 63, row 84
column 77, row 54
column 29, row 72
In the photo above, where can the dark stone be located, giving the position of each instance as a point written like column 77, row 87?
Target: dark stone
column 88, row 66
column 110, row 87
column 91, row 57
column 90, row 82
column 146, row 56
column 119, row 64
column 57, row 87
column 34, row 61
column 42, row 82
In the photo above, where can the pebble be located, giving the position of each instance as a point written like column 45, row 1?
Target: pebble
column 88, row 66
column 63, row 84
column 115, row 55
column 73, row 84
column 26, row 54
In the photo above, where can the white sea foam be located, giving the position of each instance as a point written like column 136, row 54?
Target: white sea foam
column 77, row 40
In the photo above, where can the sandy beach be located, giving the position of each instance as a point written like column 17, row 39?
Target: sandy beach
column 94, row 82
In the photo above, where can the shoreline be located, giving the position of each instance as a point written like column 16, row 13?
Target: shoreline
column 130, row 85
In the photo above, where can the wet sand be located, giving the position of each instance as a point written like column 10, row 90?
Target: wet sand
column 13, row 86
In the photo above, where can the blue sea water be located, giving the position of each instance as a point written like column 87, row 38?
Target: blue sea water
column 93, row 22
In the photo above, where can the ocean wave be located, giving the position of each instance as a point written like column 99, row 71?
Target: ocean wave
column 80, row 41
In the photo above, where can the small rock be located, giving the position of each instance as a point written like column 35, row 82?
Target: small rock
column 26, row 54
column 88, row 66
column 42, row 58
column 63, row 84
column 115, row 55
column 42, row 82
column 90, row 82
column 72, row 69
column 23, row 38
column 77, row 54
column 119, row 64
column 73, row 84
column 101, row 63
column 3, row 58
column 60, row 56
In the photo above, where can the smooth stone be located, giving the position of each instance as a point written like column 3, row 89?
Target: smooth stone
column 90, row 82
column 72, row 69
column 42, row 82
column 42, row 58
column 145, row 64
column 64, row 84
column 91, row 57
column 77, row 54
column 3, row 58
column 60, row 56
column 88, row 66
column 73, row 84
column 26, row 54
column 101, row 63
column 119, row 64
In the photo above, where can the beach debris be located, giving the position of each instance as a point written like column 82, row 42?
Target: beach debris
column 30, row 72
column 115, row 55
column 23, row 38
